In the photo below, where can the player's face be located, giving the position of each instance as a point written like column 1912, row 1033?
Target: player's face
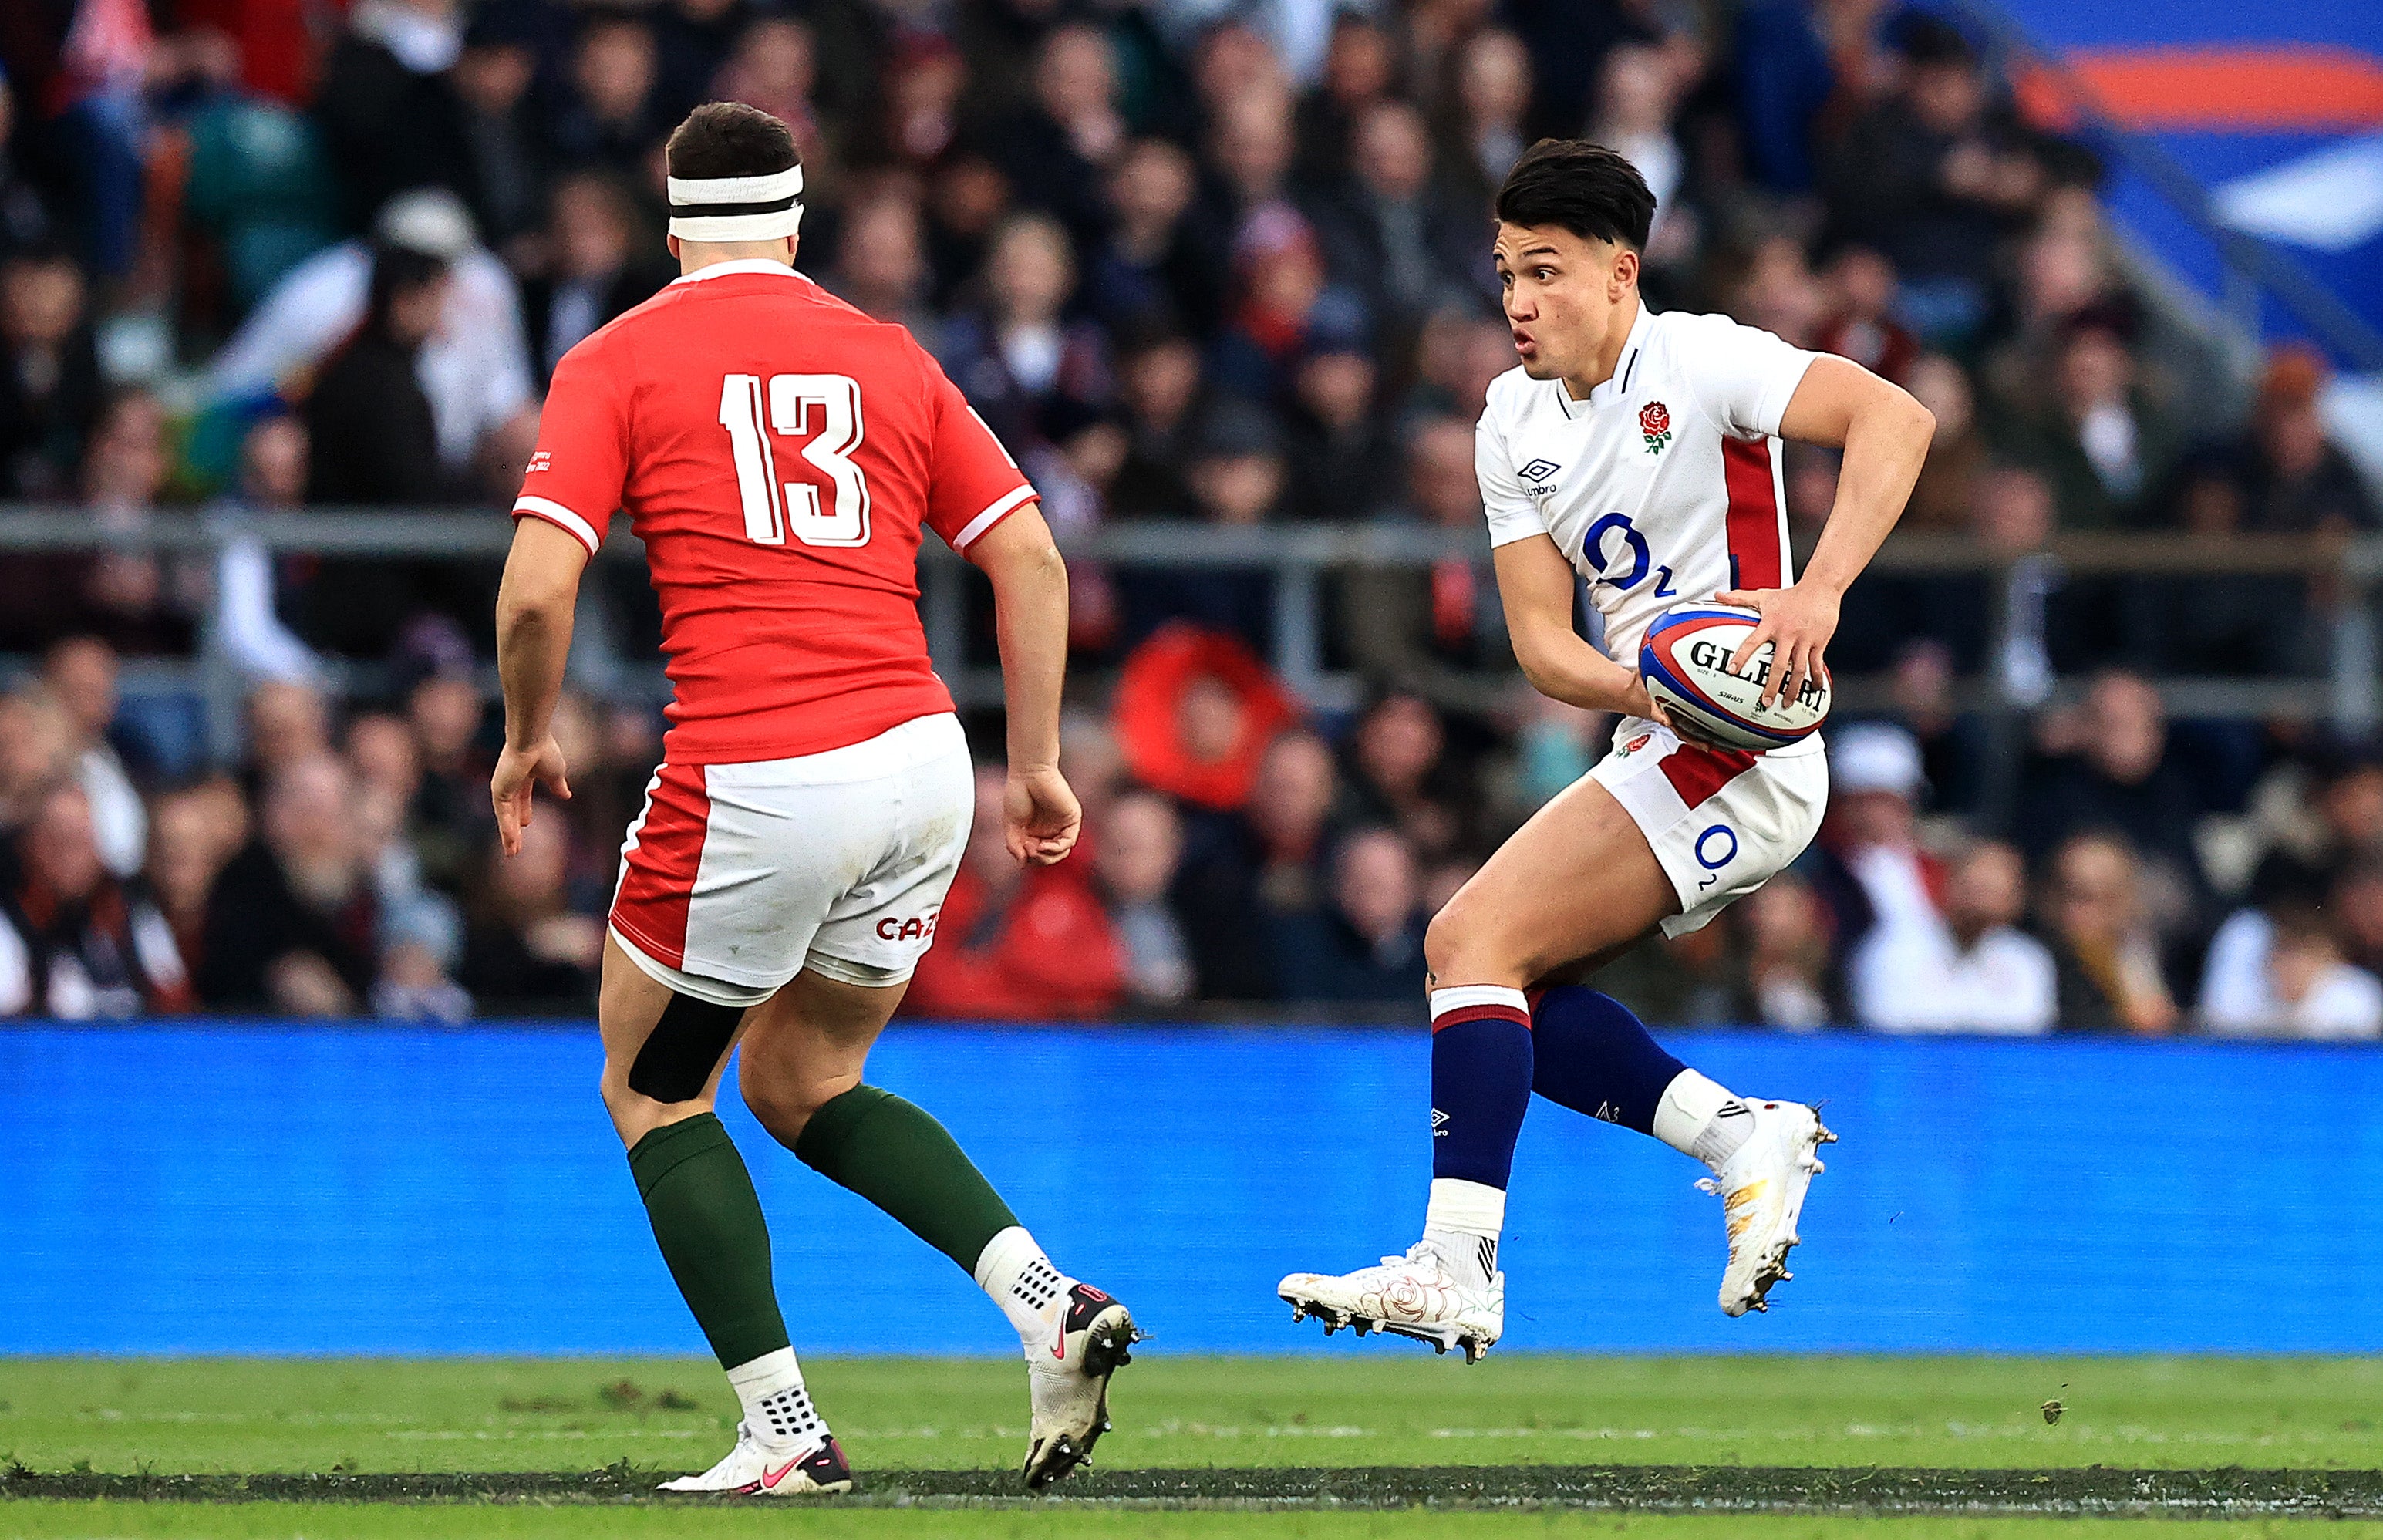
column 1564, row 294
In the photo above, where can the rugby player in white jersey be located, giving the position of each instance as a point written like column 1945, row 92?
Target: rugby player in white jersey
column 1640, row 451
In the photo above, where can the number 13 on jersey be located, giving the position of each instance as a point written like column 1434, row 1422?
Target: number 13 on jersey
column 775, row 507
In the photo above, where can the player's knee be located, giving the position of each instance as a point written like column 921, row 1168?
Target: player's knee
column 776, row 1105
column 634, row 1114
column 1447, row 940
column 1464, row 944
column 784, row 1103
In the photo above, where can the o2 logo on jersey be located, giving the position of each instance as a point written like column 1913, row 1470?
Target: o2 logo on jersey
column 1715, row 848
column 1634, row 545
column 753, row 411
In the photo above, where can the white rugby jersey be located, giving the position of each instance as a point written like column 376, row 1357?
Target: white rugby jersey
column 1665, row 483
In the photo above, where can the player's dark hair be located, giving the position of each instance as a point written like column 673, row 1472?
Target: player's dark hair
column 729, row 138
column 1580, row 187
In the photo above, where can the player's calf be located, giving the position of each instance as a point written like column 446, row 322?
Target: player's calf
column 1447, row 1290
column 1594, row 1056
column 1074, row 1337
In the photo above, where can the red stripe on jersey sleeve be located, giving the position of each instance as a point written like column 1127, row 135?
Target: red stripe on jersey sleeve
column 1755, row 559
column 1696, row 772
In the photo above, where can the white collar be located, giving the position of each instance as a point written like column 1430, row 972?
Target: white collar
column 742, row 265
column 1625, row 368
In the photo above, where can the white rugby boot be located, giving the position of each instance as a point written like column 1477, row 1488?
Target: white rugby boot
column 757, row 1469
column 1068, row 1381
column 1761, row 1187
column 1416, row 1295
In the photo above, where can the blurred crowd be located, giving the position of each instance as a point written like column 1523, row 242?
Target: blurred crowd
column 2156, row 878
column 1196, row 263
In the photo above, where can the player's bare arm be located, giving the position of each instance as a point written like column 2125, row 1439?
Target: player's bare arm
column 1030, row 598
column 1536, row 585
column 1884, row 433
column 784, row 456
column 1638, row 452
column 534, row 612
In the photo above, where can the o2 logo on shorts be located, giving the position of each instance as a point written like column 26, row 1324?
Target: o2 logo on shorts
column 1715, row 848
column 915, row 927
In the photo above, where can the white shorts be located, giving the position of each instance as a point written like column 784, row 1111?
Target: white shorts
column 1722, row 823
column 735, row 878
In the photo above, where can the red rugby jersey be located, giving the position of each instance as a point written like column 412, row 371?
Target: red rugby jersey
column 777, row 452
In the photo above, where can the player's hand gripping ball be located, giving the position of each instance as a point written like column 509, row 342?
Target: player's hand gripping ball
column 1685, row 662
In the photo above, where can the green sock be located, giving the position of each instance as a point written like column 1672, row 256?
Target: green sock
column 707, row 1220
column 900, row 1159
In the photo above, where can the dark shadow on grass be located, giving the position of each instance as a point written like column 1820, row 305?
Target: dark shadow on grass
column 2094, row 1490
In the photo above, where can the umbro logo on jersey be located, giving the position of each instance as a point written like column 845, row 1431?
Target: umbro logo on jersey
column 1439, row 1124
column 1539, row 469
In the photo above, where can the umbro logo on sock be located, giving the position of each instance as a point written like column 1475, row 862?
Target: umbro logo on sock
column 1488, row 1258
column 1734, row 1109
column 1439, row 1124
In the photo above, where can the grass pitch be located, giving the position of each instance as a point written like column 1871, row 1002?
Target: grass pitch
column 1288, row 1446
column 1378, row 1404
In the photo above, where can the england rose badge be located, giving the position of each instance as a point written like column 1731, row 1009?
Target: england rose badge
column 1655, row 422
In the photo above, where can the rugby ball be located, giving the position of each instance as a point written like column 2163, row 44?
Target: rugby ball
column 1685, row 660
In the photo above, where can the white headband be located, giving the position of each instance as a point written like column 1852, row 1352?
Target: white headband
column 737, row 208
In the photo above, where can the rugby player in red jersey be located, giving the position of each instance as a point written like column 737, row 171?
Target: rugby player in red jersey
column 779, row 454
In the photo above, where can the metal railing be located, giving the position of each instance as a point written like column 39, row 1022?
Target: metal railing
column 1300, row 558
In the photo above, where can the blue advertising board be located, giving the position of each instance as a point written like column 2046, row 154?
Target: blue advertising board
column 229, row 1189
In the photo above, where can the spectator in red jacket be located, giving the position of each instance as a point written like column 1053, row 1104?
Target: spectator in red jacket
column 1015, row 943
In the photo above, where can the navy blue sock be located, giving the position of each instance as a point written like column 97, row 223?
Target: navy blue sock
column 1592, row 1055
column 1480, row 1082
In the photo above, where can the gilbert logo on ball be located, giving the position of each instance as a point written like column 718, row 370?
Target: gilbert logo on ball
column 1685, row 662
column 1655, row 425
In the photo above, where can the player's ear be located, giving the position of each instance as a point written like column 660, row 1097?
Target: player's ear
column 671, row 243
column 1625, row 271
